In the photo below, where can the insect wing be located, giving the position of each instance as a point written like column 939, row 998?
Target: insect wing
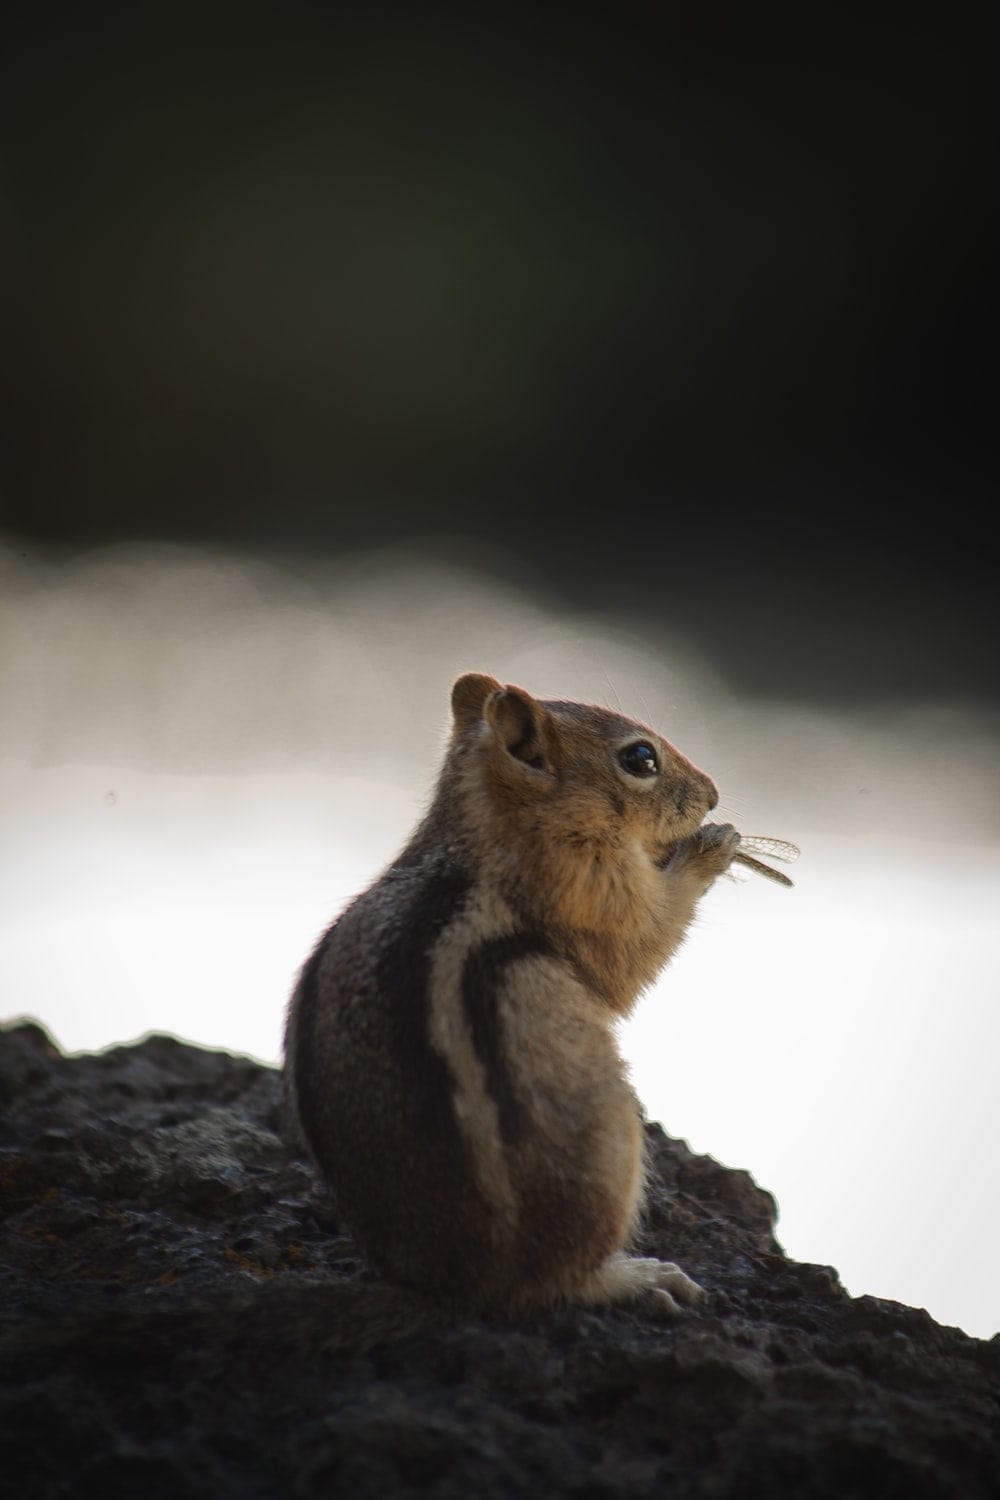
column 777, row 848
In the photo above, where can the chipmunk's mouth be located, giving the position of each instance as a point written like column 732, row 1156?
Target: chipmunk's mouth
column 666, row 854
column 669, row 847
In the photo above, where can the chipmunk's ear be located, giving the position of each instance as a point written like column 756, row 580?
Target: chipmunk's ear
column 518, row 721
column 468, row 696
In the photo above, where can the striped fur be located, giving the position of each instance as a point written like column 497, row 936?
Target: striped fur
column 450, row 1046
column 483, row 974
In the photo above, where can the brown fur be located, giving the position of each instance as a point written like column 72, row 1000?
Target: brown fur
column 450, row 1048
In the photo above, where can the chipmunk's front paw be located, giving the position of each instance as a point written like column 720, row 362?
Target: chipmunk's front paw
column 708, row 852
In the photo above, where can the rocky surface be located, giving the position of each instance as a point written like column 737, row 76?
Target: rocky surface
column 180, row 1316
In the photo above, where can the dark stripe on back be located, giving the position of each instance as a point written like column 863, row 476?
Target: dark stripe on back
column 404, row 979
column 482, row 976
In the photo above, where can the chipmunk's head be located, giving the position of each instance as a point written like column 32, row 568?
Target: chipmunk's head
column 574, row 772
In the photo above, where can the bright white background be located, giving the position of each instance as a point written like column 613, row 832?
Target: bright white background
column 202, row 759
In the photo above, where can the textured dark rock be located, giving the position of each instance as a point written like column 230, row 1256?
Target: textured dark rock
column 180, row 1316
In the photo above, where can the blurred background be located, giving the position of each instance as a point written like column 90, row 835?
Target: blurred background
column 638, row 356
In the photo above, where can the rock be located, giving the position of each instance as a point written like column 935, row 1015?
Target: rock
column 181, row 1316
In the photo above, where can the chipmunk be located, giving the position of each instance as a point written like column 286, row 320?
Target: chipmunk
column 449, row 1048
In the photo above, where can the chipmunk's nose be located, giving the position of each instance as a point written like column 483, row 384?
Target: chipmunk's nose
column 692, row 789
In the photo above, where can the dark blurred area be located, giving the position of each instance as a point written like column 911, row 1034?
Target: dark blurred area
column 691, row 318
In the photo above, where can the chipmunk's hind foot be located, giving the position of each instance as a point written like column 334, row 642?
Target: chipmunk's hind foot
column 658, row 1285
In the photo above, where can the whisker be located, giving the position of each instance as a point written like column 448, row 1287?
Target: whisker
column 614, row 692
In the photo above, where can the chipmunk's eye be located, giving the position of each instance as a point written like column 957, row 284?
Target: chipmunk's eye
column 639, row 759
